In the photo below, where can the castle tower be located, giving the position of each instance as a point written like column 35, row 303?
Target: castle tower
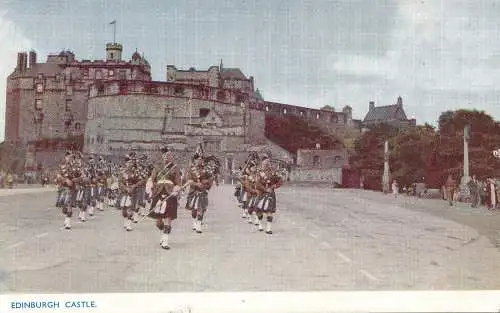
column 32, row 58
column 114, row 52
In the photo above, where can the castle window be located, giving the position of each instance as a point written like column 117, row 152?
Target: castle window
column 316, row 161
column 85, row 72
column 98, row 74
column 78, row 126
column 284, row 111
column 111, row 55
column 69, row 90
column 179, row 90
column 204, row 112
column 111, row 73
column 267, row 108
column 317, row 116
column 38, row 104
column 68, row 105
column 39, row 88
column 301, row 113
column 100, row 89
column 122, row 74
column 221, row 95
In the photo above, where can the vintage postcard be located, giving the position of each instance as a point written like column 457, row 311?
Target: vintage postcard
column 249, row 156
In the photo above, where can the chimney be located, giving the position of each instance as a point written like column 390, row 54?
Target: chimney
column 19, row 61
column 372, row 105
column 25, row 61
column 32, row 58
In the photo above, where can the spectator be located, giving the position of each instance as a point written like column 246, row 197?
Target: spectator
column 473, row 185
column 451, row 186
column 395, row 188
column 490, row 194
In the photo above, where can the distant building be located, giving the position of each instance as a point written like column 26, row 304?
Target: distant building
column 393, row 115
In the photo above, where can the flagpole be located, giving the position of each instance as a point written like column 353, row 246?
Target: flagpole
column 190, row 109
column 114, row 30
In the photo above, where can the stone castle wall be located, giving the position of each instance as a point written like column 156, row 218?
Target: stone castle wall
column 322, row 159
column 140, row 120
column 331, row 176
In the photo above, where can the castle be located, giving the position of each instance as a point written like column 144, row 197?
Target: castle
column 112, row 106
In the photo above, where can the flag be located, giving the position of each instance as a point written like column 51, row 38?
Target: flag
column 113, row 22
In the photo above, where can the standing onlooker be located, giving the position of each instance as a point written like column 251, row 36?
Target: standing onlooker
column 10, row 181
column 473, row 185
column 490, row 194
column 395, row 188
column 451, row 186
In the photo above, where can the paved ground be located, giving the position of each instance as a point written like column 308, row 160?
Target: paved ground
column 323, row 240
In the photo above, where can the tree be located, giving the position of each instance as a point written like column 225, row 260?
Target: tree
column 369, row 154
column 411, row 149
column 424, row 152
column 293, row 133
column 12, row 157
column 484, row 138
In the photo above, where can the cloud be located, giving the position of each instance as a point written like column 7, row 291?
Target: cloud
column 13, row 41
column 441, row 55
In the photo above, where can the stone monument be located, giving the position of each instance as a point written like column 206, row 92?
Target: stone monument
column 385, row 176
column 466, row 177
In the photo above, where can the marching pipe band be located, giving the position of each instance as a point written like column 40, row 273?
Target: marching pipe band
column 140, row 189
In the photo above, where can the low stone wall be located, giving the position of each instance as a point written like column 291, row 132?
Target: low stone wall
column 331, row 176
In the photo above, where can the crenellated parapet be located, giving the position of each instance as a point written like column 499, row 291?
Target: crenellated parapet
column 323, row 117
column 175, row 90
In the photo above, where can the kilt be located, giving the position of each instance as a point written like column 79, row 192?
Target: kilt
column 90, row 195
column 101, row 193
column 164, row 209
column 141, row 196
column 60, row 197
column 65, row 198
column 266, row 203
column 80, row 196
column 251, row 202
column 128, row 201
column 198, row 201
column 244, row 196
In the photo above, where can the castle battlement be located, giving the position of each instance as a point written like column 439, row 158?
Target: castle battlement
column 116, row 88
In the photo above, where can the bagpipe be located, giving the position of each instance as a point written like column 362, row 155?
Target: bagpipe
column 281, row 170
column 211, row 165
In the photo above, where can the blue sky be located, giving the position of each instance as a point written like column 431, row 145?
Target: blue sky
column 438, row 55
